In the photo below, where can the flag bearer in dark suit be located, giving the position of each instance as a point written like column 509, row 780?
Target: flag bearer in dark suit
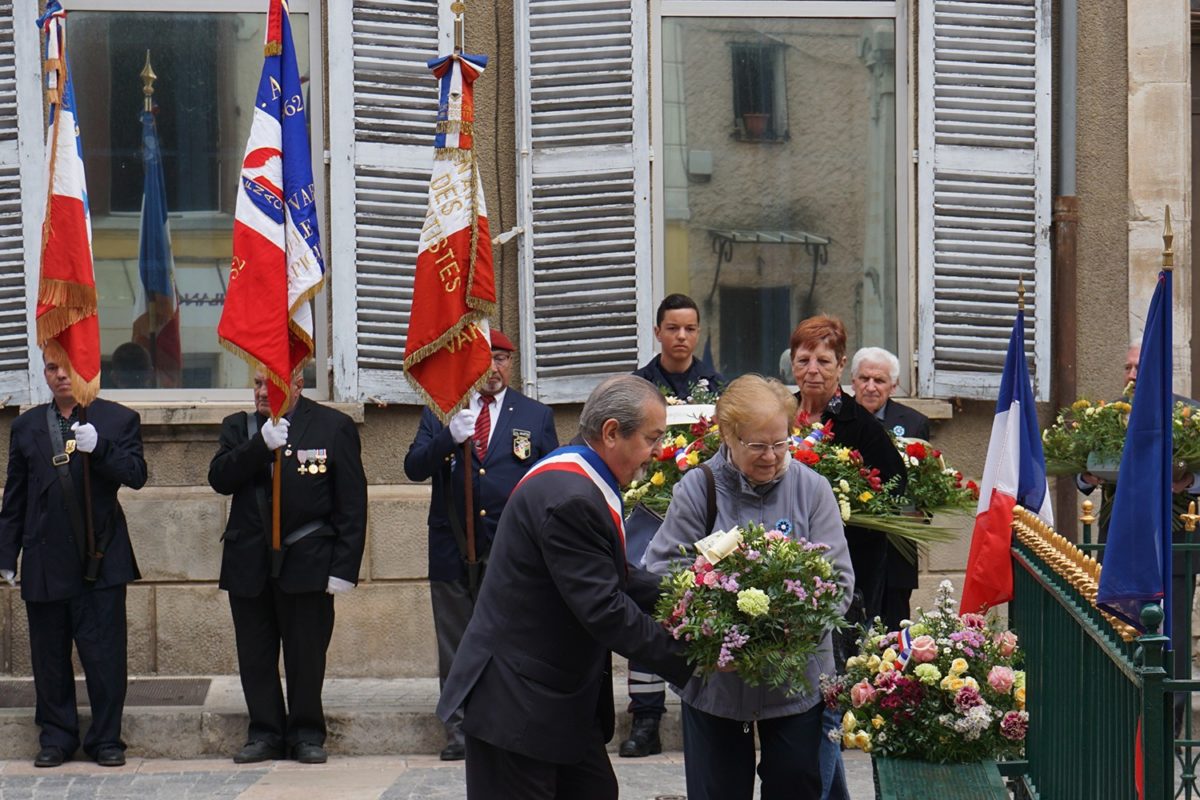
column 42, row 520
column 533, row 673
column 875, row 374
column 323, row 517
column 519, row 431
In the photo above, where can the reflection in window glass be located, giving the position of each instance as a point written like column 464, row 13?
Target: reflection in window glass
column 786, row 207
column 207, row 67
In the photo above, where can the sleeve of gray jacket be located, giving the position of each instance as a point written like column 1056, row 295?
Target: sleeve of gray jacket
column 825, row 526
column 684, row 525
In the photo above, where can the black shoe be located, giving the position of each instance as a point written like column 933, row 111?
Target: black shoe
column 643, row 739
column 309, row 753
column 50, row 756
column 256, row 751
column 454, row 751
column 110, row 755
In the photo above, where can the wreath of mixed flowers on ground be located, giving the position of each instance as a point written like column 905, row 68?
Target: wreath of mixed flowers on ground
column 947, row 689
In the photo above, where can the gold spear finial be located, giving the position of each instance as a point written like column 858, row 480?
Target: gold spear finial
column 1021, row 293
column 1168, row 237
column 458, row 8
column 148, row 79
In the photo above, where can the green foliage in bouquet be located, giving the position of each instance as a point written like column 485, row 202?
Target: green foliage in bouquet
column 1085, row 428
column 683, row 448
column 762, row 609
column 934, row 488
column 948, row 690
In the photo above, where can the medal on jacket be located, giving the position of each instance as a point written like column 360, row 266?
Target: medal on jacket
column 522, row 443
column 69, row 446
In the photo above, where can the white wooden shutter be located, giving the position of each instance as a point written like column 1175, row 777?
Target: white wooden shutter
column 20, row 211
column 984, row 191
column 583, row 192
column 382, row 110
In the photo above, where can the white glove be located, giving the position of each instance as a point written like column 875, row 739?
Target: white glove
column 337, row 586
column 462, row 424
column 7, row 576
column 86, row 437
column 275, row 433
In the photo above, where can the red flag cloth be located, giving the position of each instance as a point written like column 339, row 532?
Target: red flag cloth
column 68, row 330
column 277, row 267
column 447, row 353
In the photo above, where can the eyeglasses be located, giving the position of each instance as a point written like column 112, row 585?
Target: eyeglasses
column 501, row 358
column 761, row 448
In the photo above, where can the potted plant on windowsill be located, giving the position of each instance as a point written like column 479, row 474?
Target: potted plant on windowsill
column 755, row 124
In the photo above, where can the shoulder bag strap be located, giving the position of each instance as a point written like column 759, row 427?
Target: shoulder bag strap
column 710, row 482
column 62, row 465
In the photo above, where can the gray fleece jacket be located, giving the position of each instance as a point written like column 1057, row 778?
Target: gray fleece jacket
column 800, row 496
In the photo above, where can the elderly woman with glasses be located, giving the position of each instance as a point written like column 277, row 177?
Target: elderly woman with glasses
column 755, row 480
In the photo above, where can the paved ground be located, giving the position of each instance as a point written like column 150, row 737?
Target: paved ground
column 343, row 778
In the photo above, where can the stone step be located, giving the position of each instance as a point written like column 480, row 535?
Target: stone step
column 365, row 716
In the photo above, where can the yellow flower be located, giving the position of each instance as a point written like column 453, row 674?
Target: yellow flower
column 889, row 655
column 855, row 661
column 848, row 741
column 1079, row 405
column 658, row 479
column 753, row 602
column 887, row 666
column 971, row 682
column 958, row 666
column 680, row 441
column 952, row 684
column 873, row 663
column 865, row 497
column 844, row 486
column 849, row 722
column 877, row 721
column 1019, row 696
column 862, row 740
column 693, row 458
column 842, row 453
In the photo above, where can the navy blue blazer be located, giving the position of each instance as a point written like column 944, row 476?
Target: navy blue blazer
column 900, row 420
column 34, row 521
column 433, row 454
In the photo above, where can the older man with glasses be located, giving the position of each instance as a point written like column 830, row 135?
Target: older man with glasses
column 508, row 432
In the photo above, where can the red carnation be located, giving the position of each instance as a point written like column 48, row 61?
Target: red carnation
column 973, row 488
column 916, row 450
column 808, row 457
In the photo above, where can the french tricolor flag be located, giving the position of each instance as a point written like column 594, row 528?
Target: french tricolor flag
column 1015, row 472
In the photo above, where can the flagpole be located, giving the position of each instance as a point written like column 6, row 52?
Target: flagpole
column 148, row 77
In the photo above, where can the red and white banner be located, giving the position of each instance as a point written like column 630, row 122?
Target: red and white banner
column 447, row 353
column 68, row 330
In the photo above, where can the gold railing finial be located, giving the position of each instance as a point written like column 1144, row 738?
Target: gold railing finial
column 148, row 79
column 1190, row 518
column 1168, row 258
column 1088, row 518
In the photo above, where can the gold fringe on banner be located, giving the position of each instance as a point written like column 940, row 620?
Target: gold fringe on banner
column 451, row 154
column 272, row 49
column 455, row 126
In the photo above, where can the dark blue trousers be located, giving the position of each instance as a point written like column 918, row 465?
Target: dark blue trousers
column 95, row 621
column 719, row 756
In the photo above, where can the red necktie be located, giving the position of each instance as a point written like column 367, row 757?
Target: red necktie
column 483, row 426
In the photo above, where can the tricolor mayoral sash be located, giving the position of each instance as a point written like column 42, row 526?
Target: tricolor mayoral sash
column 585, row 461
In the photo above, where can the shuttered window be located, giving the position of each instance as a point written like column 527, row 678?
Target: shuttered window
column 20, row 152
column 583, row 193
column 382, row 110
column 984, row 192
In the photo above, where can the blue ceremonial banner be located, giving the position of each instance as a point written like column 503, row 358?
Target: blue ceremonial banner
column 1137, row 557
column 157, row 330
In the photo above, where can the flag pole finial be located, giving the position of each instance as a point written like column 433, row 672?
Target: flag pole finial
column 458, row 8
column 148, row 79
column 1020, row 294
column 1168, row 256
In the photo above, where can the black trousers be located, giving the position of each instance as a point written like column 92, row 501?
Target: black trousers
column 719, row 756
column 868, row 555
column 494, row 773
column 304, row 624
column 896, row 606
column 452, row 608
column 95, row 621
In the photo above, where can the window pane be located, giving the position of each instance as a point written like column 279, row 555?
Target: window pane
column 779, row 144
column 207, row 67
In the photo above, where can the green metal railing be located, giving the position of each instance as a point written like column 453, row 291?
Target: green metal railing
column 1090, row 677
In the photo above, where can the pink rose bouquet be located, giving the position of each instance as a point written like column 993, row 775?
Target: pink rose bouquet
column 948, row 691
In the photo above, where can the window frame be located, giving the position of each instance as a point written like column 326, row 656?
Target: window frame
column 896, row 10
column 34, row 202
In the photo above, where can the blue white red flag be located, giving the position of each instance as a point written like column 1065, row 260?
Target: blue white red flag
column 157, row 329
column 1137, row 556
column 903, row 648
column 1014, row 472
column 277, row 266
column 447, row 353
column 68, row 330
